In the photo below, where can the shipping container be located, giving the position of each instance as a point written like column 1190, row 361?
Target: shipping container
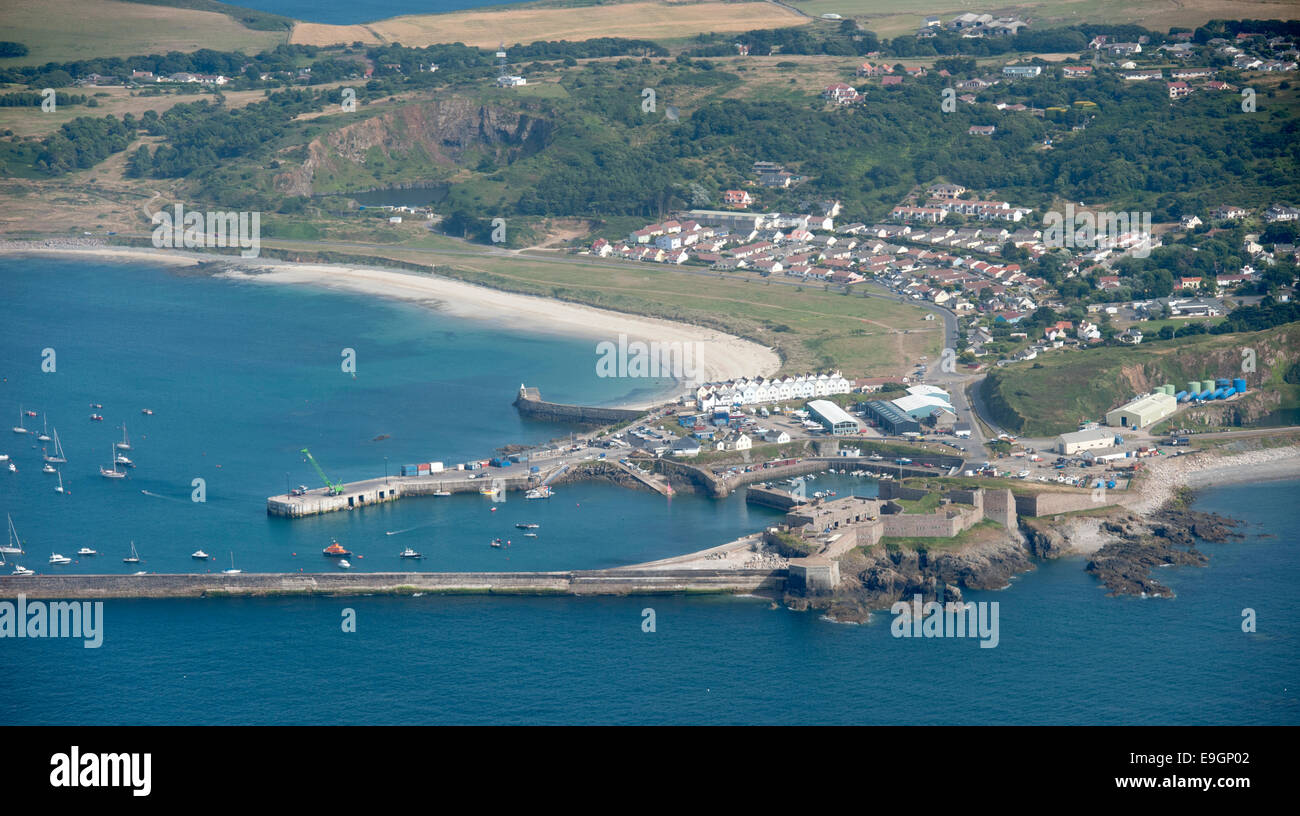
column 435, row 467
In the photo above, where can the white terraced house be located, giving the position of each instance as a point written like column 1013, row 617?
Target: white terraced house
column 763, row 390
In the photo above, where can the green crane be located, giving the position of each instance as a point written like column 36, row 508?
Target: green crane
column 335, row 488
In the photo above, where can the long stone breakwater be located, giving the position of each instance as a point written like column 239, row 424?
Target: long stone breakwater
column 621, row 581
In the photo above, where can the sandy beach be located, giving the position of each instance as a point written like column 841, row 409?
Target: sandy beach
column 714, row 356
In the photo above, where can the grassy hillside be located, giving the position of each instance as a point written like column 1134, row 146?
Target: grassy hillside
column 63, row 30
column 1053, row 393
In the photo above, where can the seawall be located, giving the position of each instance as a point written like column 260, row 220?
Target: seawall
column 622, row 581
column 531, row 405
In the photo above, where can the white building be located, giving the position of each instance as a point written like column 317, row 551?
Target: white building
column 1092, row 439
column 763, row 390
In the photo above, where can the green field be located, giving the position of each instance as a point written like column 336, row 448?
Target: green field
column 64, row 30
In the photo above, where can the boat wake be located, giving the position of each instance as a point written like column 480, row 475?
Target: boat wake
column 409, row 529
column 161, row 496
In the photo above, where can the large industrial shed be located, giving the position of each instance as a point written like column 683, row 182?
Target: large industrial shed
column 1142, row 411
column 836, row 419
column 891, row 419
column 1091, row 439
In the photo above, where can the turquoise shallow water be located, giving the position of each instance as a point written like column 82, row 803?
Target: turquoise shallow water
column 246, row 375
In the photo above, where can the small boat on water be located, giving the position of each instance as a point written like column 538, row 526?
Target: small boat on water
column 86, row 551
column 125, row 444
column 530, row 535
column 58, row 458
column 133, row 558
column 30, row 413
column 542, row 492
column 60, row 489
column 123, row 459
column 336, row 550
column 232, row 570
column 96, row 417
column 96, row 405
column 55, row 558
column 20, row 428
column 44, row 435
column 200, row 555
column 487, row 491
column 47, row 468
column 343, row 564
column 523, row 525
column 15, row 545
column 496, row 542
column 441, row 493
column 409, row 553
column 13, row 468
column 112, row 474
column 19, row 569
column 4, row 457
column 147, row 411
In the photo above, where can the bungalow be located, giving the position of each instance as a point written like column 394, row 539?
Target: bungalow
column 1022, row 70
column 890, row 81
column 1227, row 213
column 737, row 198
column 1140, row 76
column 869, row 70
column 1076, row 71
column 841, row 93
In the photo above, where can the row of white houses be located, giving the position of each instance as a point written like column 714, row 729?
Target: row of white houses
column 763, row 390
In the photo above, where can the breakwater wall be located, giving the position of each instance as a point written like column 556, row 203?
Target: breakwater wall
column 622, row 581
column 531, row 405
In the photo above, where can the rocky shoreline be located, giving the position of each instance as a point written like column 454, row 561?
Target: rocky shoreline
column 1164, row 538
column 875, row 580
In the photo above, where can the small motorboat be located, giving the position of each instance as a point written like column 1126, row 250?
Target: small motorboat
column 30, row 413
column 409, row 553
column 527, row 526
column 336, row 550
column 96, row 417
column 13, row 468
column 147, row 411
column 123, row 459
column 55, row 558
column 4, row 457
column 96, row 405
column 19, row 569
column 47, row 468
column 200, row 555
column 496, row 542
column 343, row 564
column 441, row 493
column 530, row 535
column 86, row 551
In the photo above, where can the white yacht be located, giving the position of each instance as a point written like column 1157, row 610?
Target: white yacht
column 19, row 569
column 343, row 564
column 133, row 558
column 20, row 428
column 55, row 558
column 200, row 555
column 111, row 474
column 87, row 551
column 232, row 570
column 125, row 444
column 58, row 458
column 15, row 546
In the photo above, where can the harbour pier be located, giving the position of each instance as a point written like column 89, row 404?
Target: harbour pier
column 385, row 489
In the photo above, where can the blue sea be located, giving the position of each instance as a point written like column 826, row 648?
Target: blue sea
column 362, row 11
column 243, row 375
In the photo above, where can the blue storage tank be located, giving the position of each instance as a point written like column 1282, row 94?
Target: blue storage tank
column 1204, row 395
column 1223, row 383
column 1240, row 385
column 1111, row 483
column 1181, row 396
column 1219, row 394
